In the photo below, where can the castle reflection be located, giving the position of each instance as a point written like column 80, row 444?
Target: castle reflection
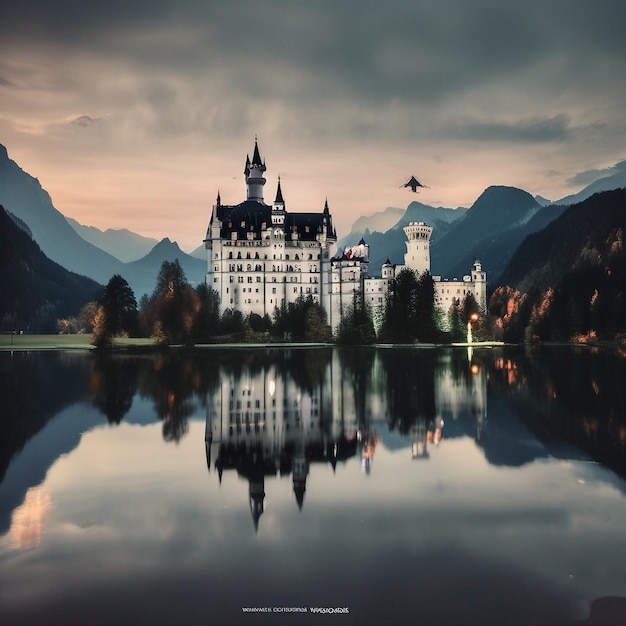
column 266, row 421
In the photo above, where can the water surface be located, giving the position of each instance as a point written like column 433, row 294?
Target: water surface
column 385, row 485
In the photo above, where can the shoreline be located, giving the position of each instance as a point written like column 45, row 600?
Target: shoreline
column 21, row 343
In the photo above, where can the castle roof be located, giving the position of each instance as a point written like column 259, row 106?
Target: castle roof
column 254, row 216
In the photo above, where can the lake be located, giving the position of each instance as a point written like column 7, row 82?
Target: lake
column 313, row 486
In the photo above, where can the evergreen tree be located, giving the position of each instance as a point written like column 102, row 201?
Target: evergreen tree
column 356, row 326
column 206, row 320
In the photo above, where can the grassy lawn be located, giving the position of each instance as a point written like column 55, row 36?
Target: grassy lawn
column 83, row 342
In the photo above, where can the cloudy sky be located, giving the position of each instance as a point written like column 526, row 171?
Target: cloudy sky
column 135, row 113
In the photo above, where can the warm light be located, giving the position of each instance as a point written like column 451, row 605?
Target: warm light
column 28, row 519
column 474, row 369
column 474, row 317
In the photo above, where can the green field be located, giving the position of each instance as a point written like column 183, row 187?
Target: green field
column 74, row 342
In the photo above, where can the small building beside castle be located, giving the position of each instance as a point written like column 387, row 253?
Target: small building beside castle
column 261, row 255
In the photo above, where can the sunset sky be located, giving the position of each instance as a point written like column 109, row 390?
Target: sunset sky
column 135, row 113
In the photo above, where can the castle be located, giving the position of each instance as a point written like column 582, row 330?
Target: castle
column 261, row 256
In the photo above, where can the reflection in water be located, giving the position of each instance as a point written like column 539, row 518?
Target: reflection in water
column 28, row 519
column 265, row 421
column 427, row 458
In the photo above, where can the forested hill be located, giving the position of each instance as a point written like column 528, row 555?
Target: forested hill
column 35, row 291
column 586, row 235
column 569, row 279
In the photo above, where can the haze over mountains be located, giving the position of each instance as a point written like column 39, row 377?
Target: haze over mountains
column 22, row 195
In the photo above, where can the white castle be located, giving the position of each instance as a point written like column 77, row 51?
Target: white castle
column 261, row 256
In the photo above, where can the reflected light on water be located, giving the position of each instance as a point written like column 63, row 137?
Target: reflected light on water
column 27, row 522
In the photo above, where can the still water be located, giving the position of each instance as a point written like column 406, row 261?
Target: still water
column 313, row 486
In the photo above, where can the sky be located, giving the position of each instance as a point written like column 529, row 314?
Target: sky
column 134, row 114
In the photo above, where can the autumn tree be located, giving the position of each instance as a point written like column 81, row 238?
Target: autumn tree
column 173, row 305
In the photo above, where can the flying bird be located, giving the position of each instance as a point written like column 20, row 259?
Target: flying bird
column 413, row 183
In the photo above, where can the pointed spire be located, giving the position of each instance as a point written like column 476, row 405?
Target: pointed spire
column 246, row 171
column 326, row 210
column 279, row 194
column 218, row 202
column 256, row 157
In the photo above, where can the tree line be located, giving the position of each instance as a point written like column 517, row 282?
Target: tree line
column 178, row 313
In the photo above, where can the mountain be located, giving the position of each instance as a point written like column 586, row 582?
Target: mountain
column 616, row 179
column 142, row 274
column 587, row 234
column 123, row 244
column 199, row 253
column 35, row 291
column 23, row 196
column 490, row 230
column 390, row 244
column 568, row 280
column 377, row 222
column 32, row 209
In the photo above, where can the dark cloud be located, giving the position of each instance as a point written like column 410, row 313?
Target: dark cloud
column 84, row 121
column 534, row 130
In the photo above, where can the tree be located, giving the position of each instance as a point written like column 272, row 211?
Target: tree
column 356, row 326
column 120, row 306
column 302, row 320
column 172, row 306
column 398, row 324
column 207, row 317
column 116, row 313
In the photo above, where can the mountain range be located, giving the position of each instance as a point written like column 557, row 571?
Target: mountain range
column 491, row 229
column 86, row 250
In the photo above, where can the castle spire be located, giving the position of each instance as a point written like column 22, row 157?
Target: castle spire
column 279, row 194
column 254, row 174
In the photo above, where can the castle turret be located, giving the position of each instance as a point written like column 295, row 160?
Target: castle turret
column 278, row 208
column 479, row 278
column 417, row 255
column 254, row 175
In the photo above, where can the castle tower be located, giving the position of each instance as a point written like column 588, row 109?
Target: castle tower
column 254, row 175
column 479, row 278
column 417, row 255
column 278, row 208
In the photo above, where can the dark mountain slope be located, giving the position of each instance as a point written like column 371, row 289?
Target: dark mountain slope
column 588, row 234
column 23, row 196
column 35, row 291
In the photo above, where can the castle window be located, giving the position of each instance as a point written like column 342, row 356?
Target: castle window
column 238, row 255
column 249, row 267
column 230, row 255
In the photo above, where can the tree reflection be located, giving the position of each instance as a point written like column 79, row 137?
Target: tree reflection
column 564, row 394
column 113, row 384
